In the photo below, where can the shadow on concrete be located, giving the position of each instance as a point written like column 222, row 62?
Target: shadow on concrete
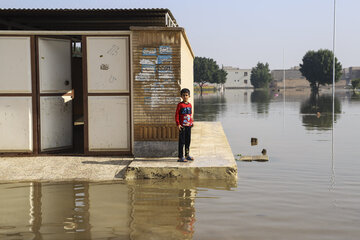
column 170, row 159
column 112, row 162
column 121, row 173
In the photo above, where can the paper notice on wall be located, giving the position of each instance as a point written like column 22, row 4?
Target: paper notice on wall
column 164, row 59
column 149, row 52
column 165, row 69
column 145, row 77
column 165, row 50
column 148, row 61
column 145, row 68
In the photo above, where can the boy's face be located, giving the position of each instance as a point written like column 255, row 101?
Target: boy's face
column 185, row 97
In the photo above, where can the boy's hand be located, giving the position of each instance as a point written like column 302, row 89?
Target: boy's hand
column 180, row 127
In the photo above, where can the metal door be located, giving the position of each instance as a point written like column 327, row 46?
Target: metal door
column 16, row 94
column 54, row 74
column 107, row 95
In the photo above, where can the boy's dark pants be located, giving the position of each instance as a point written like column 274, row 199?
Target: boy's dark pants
column 184, row 139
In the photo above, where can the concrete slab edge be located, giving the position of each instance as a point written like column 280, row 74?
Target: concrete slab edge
column 181, row 172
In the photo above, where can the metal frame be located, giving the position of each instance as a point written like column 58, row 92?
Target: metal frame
column 32, row 95
column 68, row 149
column 35, row 94
column 86, row 94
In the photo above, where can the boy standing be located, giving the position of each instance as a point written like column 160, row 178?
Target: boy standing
column 184, row 122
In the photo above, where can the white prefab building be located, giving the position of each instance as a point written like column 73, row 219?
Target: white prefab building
column 91, row 81
column 237, row 78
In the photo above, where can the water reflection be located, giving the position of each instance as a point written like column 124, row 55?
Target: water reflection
column 35, row 210
column 355, row 96
column 317, row 112
column 262, row 99
column 57, row 211
column 136, row 210
column 166, row 209
column 209, row 106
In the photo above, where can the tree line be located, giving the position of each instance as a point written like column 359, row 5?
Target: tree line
column 206, row 70
column 316, row 67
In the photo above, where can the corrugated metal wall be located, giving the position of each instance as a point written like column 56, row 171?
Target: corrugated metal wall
column 156, row 66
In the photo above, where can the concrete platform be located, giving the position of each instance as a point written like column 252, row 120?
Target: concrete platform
column 62, row 168
column 211, row 150
column 209, row 146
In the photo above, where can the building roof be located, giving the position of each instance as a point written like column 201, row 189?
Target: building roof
column 84, row 19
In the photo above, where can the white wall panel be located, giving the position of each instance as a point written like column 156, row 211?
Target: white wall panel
column 15, row 64
column 16, row 123
column 55, row 64
column 109, row 127
column 56, row 123
column 108, row 64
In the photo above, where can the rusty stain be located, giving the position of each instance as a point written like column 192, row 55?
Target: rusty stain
column 104, row 66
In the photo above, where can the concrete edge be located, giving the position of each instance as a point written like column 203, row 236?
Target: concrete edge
column 229, row 172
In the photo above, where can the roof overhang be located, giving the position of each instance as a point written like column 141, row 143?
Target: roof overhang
column 84, row 19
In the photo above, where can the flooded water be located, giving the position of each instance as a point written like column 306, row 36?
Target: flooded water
column 303, row 192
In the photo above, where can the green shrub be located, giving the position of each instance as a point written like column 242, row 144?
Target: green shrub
column 355, row 83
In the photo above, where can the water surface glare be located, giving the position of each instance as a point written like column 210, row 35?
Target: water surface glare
column 301, row 193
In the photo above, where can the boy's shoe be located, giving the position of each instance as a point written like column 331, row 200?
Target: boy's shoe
column 189, row 158
column 182, row 160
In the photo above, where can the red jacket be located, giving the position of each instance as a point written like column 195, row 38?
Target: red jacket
column 183, row 114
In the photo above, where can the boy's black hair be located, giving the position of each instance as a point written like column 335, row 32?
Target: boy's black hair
column 184, row 90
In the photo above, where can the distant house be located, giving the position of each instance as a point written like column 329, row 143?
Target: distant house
column 292, row 73
column 237, row 78
column 350, row 73
column 117, row 97
column 293, row 77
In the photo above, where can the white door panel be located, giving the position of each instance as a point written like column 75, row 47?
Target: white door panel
column 16, row 125
column 108, row 72
column 16, row 115
column 55, row 77
column 56, row 123
column 54, row 65
column 108, row 64
column 109, row 126
column 15, row 65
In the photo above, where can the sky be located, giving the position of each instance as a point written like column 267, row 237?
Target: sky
column 241, row 33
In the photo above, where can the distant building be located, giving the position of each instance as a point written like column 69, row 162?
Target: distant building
column 293, row 78
column 350, row 73
column 237, row 78
column 292, row 73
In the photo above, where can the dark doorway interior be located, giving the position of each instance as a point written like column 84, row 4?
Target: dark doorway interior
column 78, row 104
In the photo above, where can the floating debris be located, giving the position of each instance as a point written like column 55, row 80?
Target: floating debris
column 263, row 151
column 258, row 158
